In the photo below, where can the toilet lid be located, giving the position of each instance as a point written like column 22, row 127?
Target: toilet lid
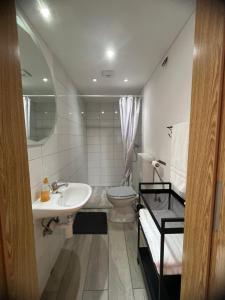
column 121, row 191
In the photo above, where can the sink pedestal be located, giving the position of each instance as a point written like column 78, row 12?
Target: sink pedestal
column 68, row 227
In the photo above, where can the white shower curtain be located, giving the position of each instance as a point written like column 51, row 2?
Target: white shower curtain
column 129, row 115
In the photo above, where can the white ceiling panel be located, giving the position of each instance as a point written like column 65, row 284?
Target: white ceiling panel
column 80, row 31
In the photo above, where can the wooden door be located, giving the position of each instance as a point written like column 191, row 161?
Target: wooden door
column 18, row 275
column 207, row 83
column 217, row 264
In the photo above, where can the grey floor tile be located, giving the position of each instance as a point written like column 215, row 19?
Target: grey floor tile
column 98, row 266
column 130, row 230
column 120, row 286
column 72, row 284
column 49, row 296
column 60, row 266
column 95, row 295
column 88, row 265
column 140, row 294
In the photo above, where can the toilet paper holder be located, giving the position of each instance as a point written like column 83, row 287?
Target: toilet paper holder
column 159, row 162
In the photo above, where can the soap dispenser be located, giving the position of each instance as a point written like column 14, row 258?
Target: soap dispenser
column 45, row 190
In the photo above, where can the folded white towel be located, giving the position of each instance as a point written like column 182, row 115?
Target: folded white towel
column 173, row 244
column 179, row 157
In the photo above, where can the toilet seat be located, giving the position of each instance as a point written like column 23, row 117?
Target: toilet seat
column 121, row 192
column 122, row 198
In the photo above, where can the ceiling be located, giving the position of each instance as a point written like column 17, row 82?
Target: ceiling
column 79, row 32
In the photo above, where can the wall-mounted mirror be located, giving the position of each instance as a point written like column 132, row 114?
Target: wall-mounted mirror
column 38, row 90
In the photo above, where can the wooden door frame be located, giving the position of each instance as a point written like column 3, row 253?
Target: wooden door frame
column 207, row 86
column 17, row 252
column 18, row 274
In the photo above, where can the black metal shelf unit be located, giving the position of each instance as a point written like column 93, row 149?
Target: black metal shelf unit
column 156, row 197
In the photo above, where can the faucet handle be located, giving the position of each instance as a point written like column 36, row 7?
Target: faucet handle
column 54, row 185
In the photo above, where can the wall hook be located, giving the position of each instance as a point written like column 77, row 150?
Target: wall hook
column 170, row 131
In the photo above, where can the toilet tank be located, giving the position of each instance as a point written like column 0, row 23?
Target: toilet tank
column 142, row 170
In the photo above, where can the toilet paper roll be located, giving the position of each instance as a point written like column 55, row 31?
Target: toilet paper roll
column 155, row 164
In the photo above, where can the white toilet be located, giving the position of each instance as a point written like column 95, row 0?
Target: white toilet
column 122, row 199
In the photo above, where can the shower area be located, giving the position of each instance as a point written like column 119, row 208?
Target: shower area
column 105, row 150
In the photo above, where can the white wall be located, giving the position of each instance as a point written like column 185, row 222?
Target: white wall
column 104, row 144
column 62, row 157
column 167, row 96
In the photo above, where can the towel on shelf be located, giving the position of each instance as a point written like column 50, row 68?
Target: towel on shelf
column 179, row 157
column 173, row 243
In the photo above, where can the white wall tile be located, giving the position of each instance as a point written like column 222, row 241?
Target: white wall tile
column 93, row 140
column 94, row 148
column 93, row 123
column 105, row 151
column 62, row 157
column 34, row 152
column 36, row 171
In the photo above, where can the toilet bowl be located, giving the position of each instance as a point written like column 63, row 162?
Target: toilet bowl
column 122, row 199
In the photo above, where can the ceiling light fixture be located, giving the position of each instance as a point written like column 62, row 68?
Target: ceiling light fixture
column 94, row 79
column 103, row 112
column 125, row 80
column 45, row 79
column 110, row 54
column 116, row 112
column 44, row 10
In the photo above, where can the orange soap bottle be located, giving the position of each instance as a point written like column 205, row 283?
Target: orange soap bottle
column 45, row 190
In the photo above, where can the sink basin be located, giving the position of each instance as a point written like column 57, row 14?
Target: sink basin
column 69, row 200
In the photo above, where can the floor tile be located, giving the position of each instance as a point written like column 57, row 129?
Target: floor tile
column 60, row 266
column 95, row 295
column 72, row 283
column 140, row 294
column 120, row 286
column 49, row 296
column 98, row 266
column 130, row 230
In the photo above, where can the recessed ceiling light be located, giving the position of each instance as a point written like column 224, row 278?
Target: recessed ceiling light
column 44, row 10
column 125, row 80
column 82, row 112
column 94, row 79
column 116, row 112
column 103, row 112
column 45, row 79
column 110, row 53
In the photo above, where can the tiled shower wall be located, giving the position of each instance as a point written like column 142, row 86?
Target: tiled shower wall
column 104, row 143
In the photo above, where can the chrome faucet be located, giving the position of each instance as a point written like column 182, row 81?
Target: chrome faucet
column 55, row 186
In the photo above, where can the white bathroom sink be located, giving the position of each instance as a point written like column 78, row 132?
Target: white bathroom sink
column 69, row 200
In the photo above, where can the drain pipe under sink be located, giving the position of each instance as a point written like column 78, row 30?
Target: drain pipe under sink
column 68, row 226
